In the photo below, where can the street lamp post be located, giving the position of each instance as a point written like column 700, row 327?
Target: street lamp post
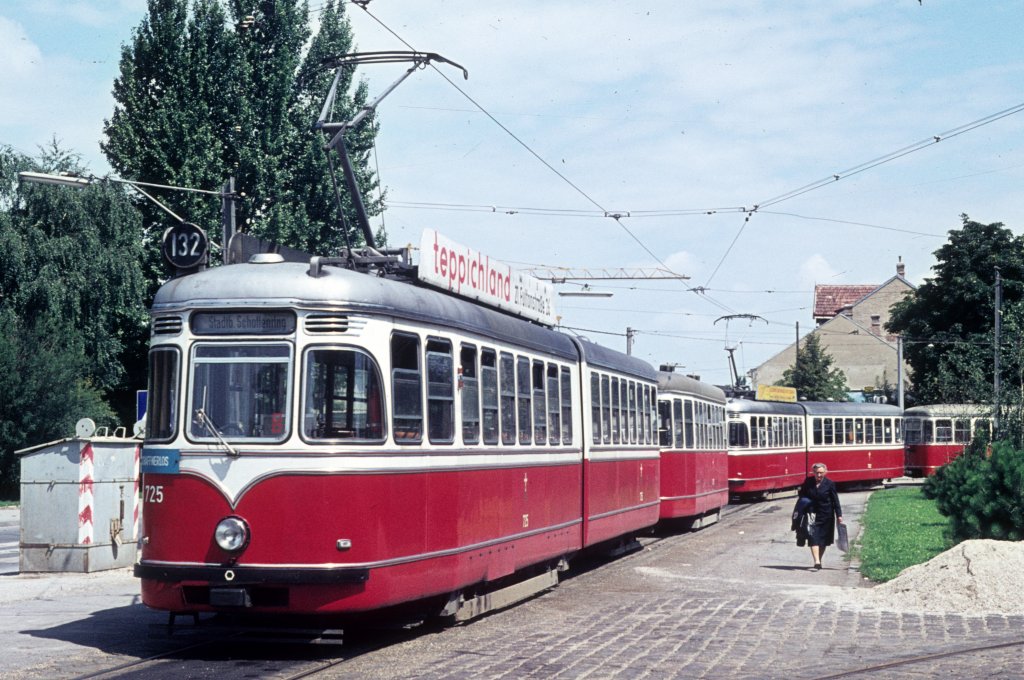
column 185, row 244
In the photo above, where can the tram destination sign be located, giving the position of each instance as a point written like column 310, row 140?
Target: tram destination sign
column 243, row 323
column 471, row 274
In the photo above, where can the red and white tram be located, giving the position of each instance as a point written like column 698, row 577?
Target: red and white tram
column 694, row 460
column 773, row 444
column 324, row 441
column 767, row 447
column 858, row 442
column 938, row 433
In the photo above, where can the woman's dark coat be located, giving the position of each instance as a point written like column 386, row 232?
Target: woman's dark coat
column 825, row 507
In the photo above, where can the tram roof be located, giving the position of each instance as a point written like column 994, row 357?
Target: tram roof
column 676, row 382
column 849, row 408
column 949, row 411
column 288, row 284
column 812, row 408
column 782, row 408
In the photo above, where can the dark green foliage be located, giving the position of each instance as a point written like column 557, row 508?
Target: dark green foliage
column 210, row 90
column 982, row 492
column 814, row 377
column 72, row 309
column 947, row 324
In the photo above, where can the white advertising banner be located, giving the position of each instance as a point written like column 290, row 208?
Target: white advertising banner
column 471, row 274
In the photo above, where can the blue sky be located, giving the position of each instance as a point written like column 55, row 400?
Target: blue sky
column 677, row 113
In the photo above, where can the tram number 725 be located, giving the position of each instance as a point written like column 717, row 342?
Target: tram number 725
column 153, row 493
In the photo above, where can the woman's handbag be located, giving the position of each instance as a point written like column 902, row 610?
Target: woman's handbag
column 843, row 541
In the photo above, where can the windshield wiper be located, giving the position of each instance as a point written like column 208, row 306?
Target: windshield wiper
column 208, row 424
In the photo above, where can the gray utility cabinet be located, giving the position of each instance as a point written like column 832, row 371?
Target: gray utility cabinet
column 79, row 505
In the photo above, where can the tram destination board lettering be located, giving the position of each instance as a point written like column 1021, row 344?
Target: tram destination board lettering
column 243, row 323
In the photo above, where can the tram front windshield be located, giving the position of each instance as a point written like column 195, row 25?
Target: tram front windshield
column 240, row 392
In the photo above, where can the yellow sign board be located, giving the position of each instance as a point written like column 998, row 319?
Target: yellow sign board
column 776, row 393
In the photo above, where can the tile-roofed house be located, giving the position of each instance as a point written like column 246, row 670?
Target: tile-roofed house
column 851, row 328
column 830, row 301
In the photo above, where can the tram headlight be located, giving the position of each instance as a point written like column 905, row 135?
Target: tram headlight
column 232, row 534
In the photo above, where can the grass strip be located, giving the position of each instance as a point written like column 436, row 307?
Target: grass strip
column 901, row 528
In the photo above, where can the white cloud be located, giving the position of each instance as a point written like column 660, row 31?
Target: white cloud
column 816, row 269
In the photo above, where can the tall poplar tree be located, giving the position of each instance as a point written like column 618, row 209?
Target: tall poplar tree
column 208, row 92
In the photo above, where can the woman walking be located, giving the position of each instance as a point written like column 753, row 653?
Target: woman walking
column 823, row 511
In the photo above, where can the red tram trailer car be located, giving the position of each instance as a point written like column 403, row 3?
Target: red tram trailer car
column 938, row 433
column 767, row 446
column 694, row 460
column 773, row 444
column 320, row 440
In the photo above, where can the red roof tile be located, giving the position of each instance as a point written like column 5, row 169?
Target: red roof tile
column 829, row 300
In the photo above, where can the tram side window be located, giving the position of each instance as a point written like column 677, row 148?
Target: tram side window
column 983, row 429
column 887, row 423
column 943, row 431
column 406, row 384
column 650, row 399
column 489, row 394
column 342, row 396
column 507, row 376
column 897, row 424
column 632, row 413
column 677, row 423
column 523, row 398
column 849, row 430
column 739, row 435
column 688, row 423
column 913, row 430
column 615, row 411
column 962, row 431
column 606, row 410
column 554, row 409
column 858, row 430
column 869, row 432
column 242, row 391
column 828, row 426
column 440, row 392
column 162, row 413
column 540, row 416
column 927, row 432
column 470, row 395
column 595, row 406
column 818, row 436
column 566, row 381
column 665, row 423
column 879, row 431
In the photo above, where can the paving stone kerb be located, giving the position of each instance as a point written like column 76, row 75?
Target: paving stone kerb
column 735, row 600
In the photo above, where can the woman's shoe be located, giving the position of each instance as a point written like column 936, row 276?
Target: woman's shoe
column 817, row 566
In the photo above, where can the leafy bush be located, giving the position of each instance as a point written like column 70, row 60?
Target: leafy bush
column 982, row 492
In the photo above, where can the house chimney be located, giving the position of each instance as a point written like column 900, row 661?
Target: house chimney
column 901, row 270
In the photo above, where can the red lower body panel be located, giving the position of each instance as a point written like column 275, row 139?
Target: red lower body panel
column 865, row 463
column 924, row 459
column 620, row 497
column 764, row 470
column 693, row 483
column 410, row 535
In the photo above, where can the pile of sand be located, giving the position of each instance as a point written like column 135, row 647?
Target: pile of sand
column 974, row 577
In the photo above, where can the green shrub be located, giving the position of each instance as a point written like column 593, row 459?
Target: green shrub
column 982, row 492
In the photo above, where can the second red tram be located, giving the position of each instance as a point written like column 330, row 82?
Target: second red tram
column 772, row 445
column 938, row 433
column 694, row 461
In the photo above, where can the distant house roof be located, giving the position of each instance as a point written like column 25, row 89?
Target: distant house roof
column 830, row 300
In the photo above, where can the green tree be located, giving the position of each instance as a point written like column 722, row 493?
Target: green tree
column 947, row 324
column 207, row 92
column 72, row 309
column 813, row 376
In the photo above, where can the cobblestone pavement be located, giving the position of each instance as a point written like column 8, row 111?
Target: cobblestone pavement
column 735, row 600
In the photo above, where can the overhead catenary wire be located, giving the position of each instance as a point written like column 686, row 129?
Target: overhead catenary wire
column 617, row 217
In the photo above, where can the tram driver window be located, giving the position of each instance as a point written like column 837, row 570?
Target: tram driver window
column 665, row 423
column 342, row 396
column 407, row 388
column 240, row 392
